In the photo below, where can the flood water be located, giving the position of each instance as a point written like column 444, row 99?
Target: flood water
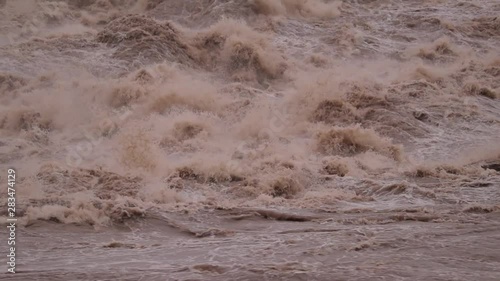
column 251, row 139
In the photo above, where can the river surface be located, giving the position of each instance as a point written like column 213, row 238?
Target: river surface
column 251, row 139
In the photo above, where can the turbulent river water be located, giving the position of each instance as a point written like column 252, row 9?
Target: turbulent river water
column 251, row 139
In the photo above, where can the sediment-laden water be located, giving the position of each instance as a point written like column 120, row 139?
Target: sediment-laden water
column 252, row 139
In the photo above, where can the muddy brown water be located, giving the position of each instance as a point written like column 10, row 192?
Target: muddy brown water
column 252, row 139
